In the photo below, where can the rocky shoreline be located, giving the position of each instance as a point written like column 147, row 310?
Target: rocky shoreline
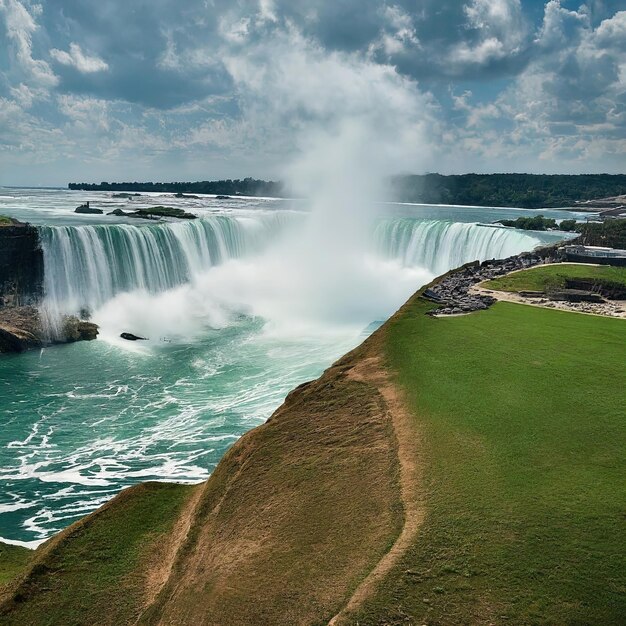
column 454, row 291
column 22, row 328
column 460, row 291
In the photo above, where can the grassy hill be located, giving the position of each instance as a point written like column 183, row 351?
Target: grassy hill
column 521, row 411
column 460, row 470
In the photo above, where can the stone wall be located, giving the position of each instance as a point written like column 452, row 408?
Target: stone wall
column 21, row 265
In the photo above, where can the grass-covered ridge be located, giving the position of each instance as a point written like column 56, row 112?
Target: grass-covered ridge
column 96, row 574
column 13, row 561
column 521, row 412
column 295, row 516
column 543, row 278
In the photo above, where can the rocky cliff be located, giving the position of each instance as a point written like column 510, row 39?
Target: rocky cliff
column 21, row 264
column 21, row 288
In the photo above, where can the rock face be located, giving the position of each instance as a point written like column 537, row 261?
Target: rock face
column 21, row 265
column 21, row 288
column 21, row 329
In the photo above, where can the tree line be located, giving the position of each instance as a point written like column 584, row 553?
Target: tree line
column 514, row 190
column 532, row 191
column 244, row 187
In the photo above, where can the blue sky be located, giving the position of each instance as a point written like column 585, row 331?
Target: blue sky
column 206, row 89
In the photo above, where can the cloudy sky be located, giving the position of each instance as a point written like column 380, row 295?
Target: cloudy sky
column 206, row 89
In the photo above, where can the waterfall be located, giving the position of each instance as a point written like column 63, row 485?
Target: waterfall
column 85, row 266
column 439, row 246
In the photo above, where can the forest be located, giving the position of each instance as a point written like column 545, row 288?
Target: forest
column 530, row 191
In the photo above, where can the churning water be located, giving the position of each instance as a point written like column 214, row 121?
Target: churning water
column 235, row 317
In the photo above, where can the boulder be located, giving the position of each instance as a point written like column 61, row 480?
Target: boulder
column 157, row 212
column 131, row 337
column 78, row 330
column 85, row 208
column 20, row 329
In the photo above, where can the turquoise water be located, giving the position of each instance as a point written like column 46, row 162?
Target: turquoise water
column 237, row 310
column 82, row 421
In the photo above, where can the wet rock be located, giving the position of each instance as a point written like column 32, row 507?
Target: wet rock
column 131, row 337
column 21, row 264
column 86, row 209
column 78, row 330
column 21, row 328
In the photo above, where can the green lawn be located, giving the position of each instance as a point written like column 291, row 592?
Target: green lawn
column 522, row 412
column 554, row 276
column 5, row 221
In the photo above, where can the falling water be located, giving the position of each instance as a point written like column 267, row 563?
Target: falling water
column 85, row 266
column 439, row 245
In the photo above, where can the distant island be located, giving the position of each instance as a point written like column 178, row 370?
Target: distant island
column 530, row 191
column 243, row 187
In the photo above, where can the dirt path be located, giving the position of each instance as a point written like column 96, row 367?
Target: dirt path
column 164, row 556
column 614, row 308
column 370, row 370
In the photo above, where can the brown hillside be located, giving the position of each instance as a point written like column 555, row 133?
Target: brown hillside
column 298, row 522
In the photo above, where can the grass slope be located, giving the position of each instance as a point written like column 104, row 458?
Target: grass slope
column 13, row 561
column 522, row 415
column 554, row 277
column 95, row 572
column 296, row 514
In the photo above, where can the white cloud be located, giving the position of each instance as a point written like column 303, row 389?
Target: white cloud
column 612, row 32
column 398, row 34
column 500, row 28
column 25, row 95
column 567, row 105
column 20, row 26
column 76, row 58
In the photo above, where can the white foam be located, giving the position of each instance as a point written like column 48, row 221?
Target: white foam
column 31, row 545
